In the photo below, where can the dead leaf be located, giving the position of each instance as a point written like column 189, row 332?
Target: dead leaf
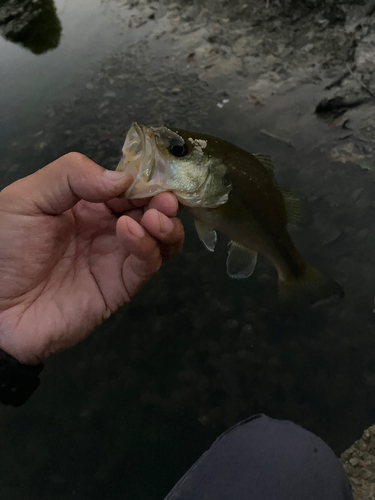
column 346, row 154
column 254, row 100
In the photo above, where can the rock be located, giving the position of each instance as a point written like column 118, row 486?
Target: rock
column 359, row 462
column 241, row 46
column 246, row 330
column 333, row 236
column 354, row 462
column 365, row 52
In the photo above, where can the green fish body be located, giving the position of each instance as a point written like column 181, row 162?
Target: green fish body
column 230, row 190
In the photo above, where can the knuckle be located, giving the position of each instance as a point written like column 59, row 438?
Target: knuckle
column 158, row 263
column 179, row 232
column 10, row 194
column 6, row 192
column 77, row 161
column 75, row 158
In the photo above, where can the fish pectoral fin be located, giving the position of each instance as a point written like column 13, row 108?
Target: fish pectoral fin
column 206, row 235
column 241, row 261
column 266, row 161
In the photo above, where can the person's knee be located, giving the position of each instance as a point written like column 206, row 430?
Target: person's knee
column 263, row 458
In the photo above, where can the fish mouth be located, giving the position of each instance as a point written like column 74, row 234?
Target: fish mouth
column 140, row 157
column 135, row 140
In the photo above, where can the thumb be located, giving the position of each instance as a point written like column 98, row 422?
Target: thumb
column 60, row 185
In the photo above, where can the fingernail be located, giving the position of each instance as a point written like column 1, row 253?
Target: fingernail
column 136, row 230
column 166, row 225
column 117, row 177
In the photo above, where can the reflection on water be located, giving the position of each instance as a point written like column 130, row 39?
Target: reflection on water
column 32, row 23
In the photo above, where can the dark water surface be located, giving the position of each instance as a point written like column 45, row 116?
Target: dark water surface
column 124, row 414
column 82, row 33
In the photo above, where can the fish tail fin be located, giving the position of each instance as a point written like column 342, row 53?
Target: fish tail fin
column 310, row 289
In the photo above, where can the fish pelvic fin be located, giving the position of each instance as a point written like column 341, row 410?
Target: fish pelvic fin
column 311, row 289
column 207, row 236
column 241, row 261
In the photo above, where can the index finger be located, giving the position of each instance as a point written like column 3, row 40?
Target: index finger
column 122, row 205
column 165, row 203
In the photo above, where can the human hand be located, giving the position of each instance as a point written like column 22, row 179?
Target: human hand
column 72, row 253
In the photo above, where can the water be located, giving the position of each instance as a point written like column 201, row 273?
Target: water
column 124, row 414
column 87, row 31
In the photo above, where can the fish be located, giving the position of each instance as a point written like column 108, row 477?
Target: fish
column 227, row 189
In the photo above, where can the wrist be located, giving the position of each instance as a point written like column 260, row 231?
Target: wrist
column 16, row 342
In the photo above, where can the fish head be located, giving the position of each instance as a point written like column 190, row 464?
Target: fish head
column 162, row 159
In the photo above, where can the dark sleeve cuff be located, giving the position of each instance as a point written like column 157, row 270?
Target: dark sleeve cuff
column 17, row 381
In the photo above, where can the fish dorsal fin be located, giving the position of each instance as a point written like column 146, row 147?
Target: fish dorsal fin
column 266, row 161
column 241, row 261
column 293, row 207
column 206, row 235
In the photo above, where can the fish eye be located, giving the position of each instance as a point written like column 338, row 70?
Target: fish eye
column 176, row 148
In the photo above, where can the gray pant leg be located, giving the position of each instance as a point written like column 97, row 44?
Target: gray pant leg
column 265, row 459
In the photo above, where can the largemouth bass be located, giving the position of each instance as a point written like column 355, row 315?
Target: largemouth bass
column 227, row 189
